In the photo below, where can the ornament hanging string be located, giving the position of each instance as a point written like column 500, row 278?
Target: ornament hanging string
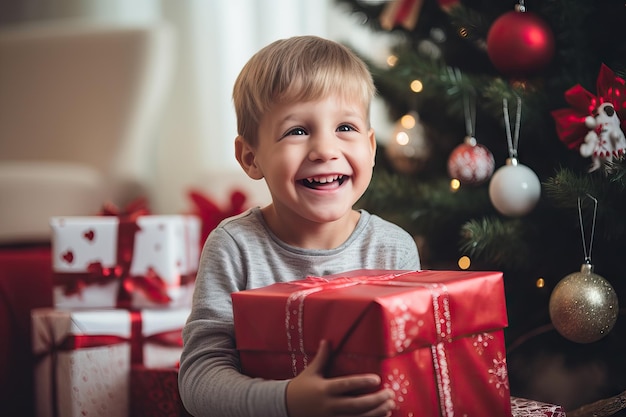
column 512, row 139
column 470, row 115
column 593, row 227
column 469, row 107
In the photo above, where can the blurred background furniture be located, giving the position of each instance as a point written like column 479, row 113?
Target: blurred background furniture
column 79, row 108
column 80, row 105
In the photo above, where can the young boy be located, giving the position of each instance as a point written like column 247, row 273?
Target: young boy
column 302, row 107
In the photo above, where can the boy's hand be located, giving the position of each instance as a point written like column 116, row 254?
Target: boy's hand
column 311, row 395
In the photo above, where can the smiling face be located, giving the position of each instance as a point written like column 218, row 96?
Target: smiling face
column 316, row 158
column 302, row 108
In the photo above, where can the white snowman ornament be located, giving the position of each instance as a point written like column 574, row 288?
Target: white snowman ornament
column 605, row 141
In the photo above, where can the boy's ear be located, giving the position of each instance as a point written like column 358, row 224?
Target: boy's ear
column 245, row 155
column 372, row 139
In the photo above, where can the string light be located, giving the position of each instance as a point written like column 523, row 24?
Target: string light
column 464, row 262
column 407, row 121
column 392, row 60
column 455, row 184
column 416, row 86
column 540, row 283
column 402, row 138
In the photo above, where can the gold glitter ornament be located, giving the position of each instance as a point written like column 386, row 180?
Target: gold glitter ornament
column 583, row 306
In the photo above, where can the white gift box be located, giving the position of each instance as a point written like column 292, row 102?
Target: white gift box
column 165, row 246
column 83, row 357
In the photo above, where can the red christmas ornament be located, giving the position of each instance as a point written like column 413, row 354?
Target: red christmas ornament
column 447, row 5
column 471, row 163
column 520, row 43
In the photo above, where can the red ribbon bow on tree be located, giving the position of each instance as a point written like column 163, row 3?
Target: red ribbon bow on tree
column 573, row 124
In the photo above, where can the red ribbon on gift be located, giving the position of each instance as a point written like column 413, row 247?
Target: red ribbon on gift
column 73, row 283
column 150, row 284
column 441, row 317
column 72, row 342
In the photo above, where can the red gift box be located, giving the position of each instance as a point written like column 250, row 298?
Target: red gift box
column 435, row 337
column 154, row 393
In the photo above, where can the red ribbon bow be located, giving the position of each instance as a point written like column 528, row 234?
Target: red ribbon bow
column 570, row 122
column 211, row 214
column 134, row 209
column 150, row 283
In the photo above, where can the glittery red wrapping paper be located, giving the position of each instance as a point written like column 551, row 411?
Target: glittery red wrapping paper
column 154, row 393
column 435, row 337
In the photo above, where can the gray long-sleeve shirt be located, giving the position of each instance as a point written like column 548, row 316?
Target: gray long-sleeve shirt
column 242, row 253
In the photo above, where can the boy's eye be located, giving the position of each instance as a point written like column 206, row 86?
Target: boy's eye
column 297, row 131
column 345, row 128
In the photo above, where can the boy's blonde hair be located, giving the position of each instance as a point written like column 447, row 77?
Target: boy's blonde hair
column 301, row 68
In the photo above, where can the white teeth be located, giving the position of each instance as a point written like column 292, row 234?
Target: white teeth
column 324, row 180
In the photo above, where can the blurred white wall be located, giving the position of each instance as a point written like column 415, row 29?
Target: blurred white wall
column 194, row 147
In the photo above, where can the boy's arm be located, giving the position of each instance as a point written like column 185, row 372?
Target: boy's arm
column 210, row 382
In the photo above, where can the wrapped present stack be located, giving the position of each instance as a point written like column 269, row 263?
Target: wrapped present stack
column 122, row 288
column 435, row 337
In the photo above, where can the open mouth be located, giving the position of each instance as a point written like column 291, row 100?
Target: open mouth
column 324, row 182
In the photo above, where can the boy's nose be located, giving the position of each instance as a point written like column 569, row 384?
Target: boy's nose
column 323, row 147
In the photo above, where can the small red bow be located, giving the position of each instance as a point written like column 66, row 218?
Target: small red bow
column 134, row 209
column 570, row 122
column 211, row 214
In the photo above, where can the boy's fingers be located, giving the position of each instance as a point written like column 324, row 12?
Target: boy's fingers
column 375, row 404
column 321, row 357
column 354, row 384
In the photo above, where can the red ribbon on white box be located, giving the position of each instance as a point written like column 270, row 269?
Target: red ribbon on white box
column 150, row 283
column 72, row 342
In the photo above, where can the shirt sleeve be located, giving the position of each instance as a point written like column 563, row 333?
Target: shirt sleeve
column 210, row 381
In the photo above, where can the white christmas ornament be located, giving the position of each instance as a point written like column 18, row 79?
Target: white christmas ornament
column 514, row 189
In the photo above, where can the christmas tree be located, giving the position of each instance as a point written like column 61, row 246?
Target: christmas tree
column 508, row 155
